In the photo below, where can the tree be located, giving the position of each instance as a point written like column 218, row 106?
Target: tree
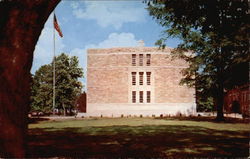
column 216, row 31
column 42, row 89
column 67, row 85
column 20, row 26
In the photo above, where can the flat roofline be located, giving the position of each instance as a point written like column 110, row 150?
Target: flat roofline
column 128, row 49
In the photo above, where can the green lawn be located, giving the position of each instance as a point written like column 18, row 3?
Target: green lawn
column 137, row 138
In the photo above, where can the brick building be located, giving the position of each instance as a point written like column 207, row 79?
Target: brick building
column 237, row 100
column 136, row 81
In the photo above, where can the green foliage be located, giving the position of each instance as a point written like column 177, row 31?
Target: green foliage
column 67, row 85
column 216, row 33
column 205, row 104
column 42, row 89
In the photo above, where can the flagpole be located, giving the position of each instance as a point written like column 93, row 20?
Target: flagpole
column 54, row 68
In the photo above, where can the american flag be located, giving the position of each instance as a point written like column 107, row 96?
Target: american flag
column 56, row 26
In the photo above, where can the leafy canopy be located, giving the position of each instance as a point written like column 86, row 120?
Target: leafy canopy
column 67, row 85
column 217, row 33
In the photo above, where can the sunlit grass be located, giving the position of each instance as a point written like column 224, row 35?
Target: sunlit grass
column 102, row 122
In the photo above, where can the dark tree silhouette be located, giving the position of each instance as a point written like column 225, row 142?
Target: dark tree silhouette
column 217, row 31
column 21, row 23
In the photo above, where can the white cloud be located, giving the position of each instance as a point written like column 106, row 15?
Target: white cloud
column 109, row 13
column 117, row 40
column 74, row 5
column 44, row 49
column 113, row 40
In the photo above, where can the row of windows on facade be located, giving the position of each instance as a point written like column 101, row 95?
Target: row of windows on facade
column 141, row 74
column 148, row 57
column 141, row 96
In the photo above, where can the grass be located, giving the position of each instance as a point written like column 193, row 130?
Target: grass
column 137, row 138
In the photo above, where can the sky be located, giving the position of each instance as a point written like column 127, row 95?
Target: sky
column 96, row 24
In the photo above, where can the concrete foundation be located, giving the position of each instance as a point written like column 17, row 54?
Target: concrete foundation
column 118, row 110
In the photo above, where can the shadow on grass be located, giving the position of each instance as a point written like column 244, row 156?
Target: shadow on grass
column 209, row 119
column 137, row 142
column 35, row 120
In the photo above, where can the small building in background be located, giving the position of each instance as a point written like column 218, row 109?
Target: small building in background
column 237, row 100
column 136, row 81
column 81, row 103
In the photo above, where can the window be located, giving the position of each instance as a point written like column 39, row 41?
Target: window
column 148, row 78
column 133, row 96
column 141, row 59
column 141, row 78
column 133, row 78
column 141, row 96
column 148, row 59
column 148, row 96
column 133, row 59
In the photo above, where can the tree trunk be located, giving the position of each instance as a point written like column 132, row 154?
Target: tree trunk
column 220, row 103
column 64, row 110
column 21, row 23
column 220, row 87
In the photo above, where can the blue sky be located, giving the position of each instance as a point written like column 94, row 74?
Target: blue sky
column 96, row 24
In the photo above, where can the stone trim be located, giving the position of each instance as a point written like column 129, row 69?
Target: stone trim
column 129, row 53
column 140, row 109
column 138, row 67
column 128, row 49
column 132, row 104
